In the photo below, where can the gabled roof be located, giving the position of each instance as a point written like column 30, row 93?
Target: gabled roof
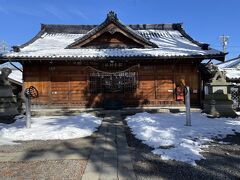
column 112, row 19
column 165, row 41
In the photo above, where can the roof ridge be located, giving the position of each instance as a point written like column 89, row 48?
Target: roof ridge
column 161, row 26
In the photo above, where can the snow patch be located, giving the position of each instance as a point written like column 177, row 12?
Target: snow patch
column 170, row 138
column 49, row 128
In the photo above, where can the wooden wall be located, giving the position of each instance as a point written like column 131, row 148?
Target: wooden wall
column 67, row 85
column 157, row 83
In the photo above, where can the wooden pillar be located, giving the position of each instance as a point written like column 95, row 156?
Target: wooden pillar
column 155, row 83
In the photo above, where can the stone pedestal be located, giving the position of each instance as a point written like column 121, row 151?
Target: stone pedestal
column 217, row 101
column 8, row 105
column 219, row 105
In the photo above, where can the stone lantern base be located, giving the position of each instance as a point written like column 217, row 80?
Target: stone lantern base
column 219, row 105
column 8, row 105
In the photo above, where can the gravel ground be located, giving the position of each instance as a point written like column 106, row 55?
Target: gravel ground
column 47, row 169
column 60, row 169
column 222, row 161
column 42, row 145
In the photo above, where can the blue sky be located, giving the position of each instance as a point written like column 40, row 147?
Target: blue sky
column 204, row 20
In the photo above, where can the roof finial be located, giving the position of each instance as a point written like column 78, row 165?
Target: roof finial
column 111, row 15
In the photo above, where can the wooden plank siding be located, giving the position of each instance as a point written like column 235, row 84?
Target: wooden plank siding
column 67, row 85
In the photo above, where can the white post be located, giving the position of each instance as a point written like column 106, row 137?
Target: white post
column 28, row 111
column 187, row 103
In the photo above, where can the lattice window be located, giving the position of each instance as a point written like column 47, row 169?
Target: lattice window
column 106, row 82
column 235, row 96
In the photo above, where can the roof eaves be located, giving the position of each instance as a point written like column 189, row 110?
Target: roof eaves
column 38, row 35
column 203, row 46
column 75, row 57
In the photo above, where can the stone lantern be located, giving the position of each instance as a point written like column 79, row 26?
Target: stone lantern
column 217, row 101
column 8, row 102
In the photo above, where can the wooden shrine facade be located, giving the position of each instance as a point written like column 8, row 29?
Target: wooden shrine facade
column 66, row 84
column 137, row 65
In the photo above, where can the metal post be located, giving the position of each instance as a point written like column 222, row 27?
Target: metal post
column 28, row 111
column 187, row 103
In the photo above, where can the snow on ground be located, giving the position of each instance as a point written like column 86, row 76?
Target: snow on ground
column 49, row 128
column 170, row 138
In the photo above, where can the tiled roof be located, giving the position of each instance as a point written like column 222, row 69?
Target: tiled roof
column 233, row 63
column 232, row 74
column 231, row 68
column 171, row 40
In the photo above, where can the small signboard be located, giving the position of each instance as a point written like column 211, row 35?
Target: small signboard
column 195, row 91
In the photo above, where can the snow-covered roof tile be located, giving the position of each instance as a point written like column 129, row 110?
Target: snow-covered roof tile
column 232, row 73
column 170, row 43
column 170, row 40
column 231, row 68
column 233, row 63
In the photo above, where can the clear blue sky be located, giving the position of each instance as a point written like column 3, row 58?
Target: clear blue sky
column 204, row 20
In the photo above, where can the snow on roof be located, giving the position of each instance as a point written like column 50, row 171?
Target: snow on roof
column 233, row 63
column 15, row 76
column 232, row 73
column 170, row 43
column 9, row 65
column 6, row 65
column 163, row 40
column 231, row 68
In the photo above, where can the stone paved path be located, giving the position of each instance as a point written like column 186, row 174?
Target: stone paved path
column 110, row 158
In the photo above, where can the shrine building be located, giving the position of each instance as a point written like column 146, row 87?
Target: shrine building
column 134, row 65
